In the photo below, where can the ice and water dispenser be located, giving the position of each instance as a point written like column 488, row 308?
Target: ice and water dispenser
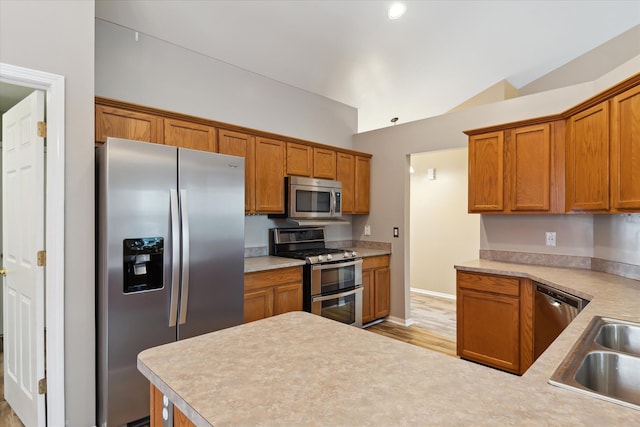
column 143, row 264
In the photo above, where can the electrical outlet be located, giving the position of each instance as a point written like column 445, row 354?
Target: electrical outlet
column 367, row 230
column 551, row 238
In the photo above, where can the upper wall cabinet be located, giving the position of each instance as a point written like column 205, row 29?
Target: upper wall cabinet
column 180, row 133
column 486, row 172
column 625, row 150
column 270, row 168
column 268, row 157
column 127, row 124
column 584, row 160
column 324, row 163
column 299, row 159
column 241, row 145
column 588, row 159
column 362, row 184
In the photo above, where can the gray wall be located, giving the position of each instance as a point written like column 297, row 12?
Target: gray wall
column 159, row 74
column 390, row 178
column 57, row 37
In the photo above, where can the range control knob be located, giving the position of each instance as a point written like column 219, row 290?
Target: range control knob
column 329, row 257
column 354, row 253
column 320, row 258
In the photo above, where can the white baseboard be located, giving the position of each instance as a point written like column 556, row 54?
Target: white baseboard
column 399, row 321
column 433, row 293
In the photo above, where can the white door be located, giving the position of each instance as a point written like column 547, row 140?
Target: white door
column 23, row 236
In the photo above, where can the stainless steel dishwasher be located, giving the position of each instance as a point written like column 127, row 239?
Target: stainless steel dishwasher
column 553, row 311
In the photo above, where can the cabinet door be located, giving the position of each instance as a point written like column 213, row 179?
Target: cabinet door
column 625, row 150
column 121, row 123
column 587, row 183
column 241, row 145
column 368, row 302
column 488, row 329
column 179, row 418
column 184, row 134
column 486, row 172
column 382, row 290
column 299, row 159
column 345, row 173
column 258, row 304
column 324, row 163
column 530, row 172
column 287, row 298
column 270, row 158
column 362, row 182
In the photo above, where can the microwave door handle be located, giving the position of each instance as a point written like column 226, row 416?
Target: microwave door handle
column 334, row 202
column 340, row 295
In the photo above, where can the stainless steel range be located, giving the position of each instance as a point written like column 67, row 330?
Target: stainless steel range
column 332, row 284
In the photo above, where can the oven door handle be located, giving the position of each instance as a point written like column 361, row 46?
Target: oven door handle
column 335, row 265
column 334, row 296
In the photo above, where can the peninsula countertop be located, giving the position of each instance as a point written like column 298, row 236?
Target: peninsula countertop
column 300, row 369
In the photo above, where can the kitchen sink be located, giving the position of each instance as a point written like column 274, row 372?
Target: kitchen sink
column 611, row 374
column 620, row 337
column 604, row 362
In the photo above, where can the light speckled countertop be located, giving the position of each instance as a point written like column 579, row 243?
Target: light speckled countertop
column 300, row 369
column 262, row 263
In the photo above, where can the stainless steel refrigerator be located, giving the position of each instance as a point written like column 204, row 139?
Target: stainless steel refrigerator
column 170, row 259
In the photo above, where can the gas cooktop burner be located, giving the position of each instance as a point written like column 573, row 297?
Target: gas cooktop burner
column 307, row 244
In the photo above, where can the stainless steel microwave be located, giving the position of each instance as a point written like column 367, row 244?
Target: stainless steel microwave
column 311, row 198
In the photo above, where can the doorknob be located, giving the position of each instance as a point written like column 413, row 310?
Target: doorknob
column 3, row 272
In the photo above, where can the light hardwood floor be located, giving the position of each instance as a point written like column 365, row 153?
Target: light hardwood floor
column 434, row 324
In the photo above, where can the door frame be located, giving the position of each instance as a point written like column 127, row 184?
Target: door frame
column 54, row 86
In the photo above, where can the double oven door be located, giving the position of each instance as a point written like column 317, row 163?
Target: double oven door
column 334, row 290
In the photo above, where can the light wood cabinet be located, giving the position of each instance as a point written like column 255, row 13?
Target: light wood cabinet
column 179, row 418
column 241, row 145
column 324, row 163
column 127, row 124
column 345, row 173
column 272, row 292
column 518, row 170
column 625, row 150
column 270, row 172
column 494, row 320
column 486, row 172
column 587, row 161
column 184, row 134
column 362, row 184
column 376, row 283
column 299, row 159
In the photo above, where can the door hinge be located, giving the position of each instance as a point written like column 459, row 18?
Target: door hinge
column 42, row 386
column 42, row 258
column 42, row 129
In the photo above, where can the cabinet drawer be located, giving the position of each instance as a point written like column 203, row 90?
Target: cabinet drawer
column 278, row 276
column 487, row 283
column 375, row 262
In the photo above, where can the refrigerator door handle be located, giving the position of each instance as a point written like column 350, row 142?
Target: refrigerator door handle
column 184, row 289
column 175, row 258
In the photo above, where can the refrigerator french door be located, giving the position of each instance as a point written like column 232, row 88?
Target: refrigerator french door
column 170, row 259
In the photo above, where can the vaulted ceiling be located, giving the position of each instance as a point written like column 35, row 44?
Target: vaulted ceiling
column 439, row 54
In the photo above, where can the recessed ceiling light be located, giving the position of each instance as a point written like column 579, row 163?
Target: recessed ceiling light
column 396, row 10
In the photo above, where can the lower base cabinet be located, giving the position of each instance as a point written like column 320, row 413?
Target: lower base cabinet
column 272, row 292
column 376, row 283
column 494, row 320
column 159, row 417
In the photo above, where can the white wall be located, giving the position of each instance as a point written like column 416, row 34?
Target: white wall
column 159, row 74
column 57, row 37
column 441, row 230
column 617, row 238
column 390, row 176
